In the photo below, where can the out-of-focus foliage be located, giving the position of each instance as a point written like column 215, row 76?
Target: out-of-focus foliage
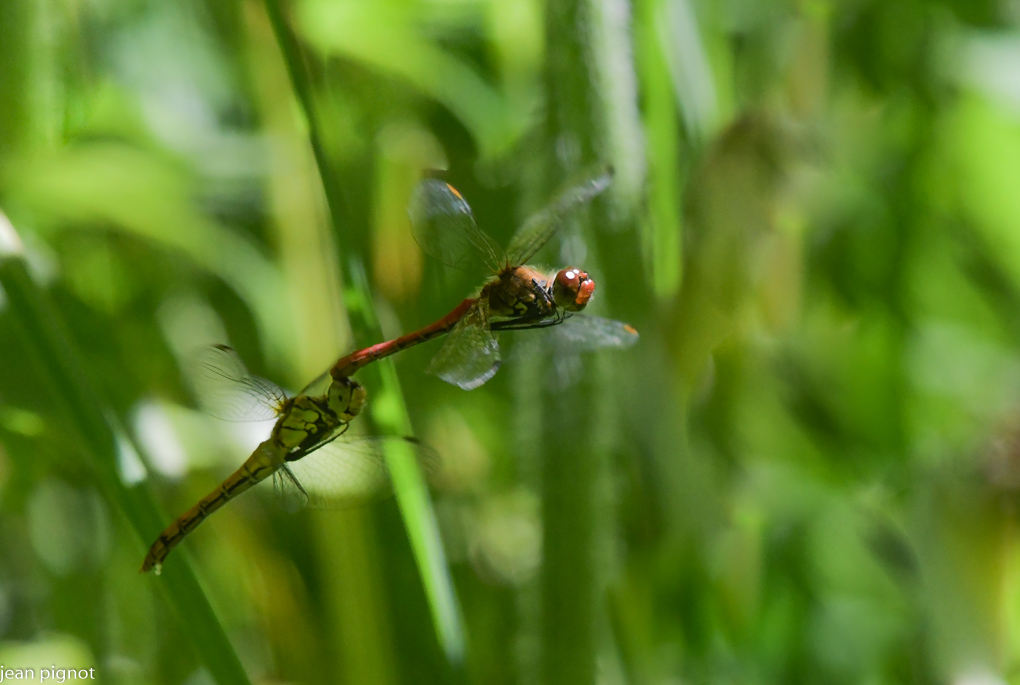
column 806, row 470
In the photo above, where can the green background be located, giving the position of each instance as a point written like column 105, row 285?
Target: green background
column 806, row 471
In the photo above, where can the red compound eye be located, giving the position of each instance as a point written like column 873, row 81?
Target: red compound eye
column 572, row 289
column 569, row 279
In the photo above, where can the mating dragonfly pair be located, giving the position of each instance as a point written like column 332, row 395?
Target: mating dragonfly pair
column 307, row 461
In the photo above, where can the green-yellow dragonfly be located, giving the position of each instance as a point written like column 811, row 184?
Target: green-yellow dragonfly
column 309, row 465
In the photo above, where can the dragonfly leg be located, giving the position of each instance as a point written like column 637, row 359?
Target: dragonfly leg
column 530, row 322
column 544, row 293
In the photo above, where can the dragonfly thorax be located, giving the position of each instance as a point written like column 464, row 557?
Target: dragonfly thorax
column 306, row 421
column 520, row 292
column 345, row 398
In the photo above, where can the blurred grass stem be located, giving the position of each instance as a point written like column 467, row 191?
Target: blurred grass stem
column 69, row 389
column 388, row 408
column 570, row 470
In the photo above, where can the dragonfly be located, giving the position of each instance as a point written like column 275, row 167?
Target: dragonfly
column 515, row 296
column 309, row 465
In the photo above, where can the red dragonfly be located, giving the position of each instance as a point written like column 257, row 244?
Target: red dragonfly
column 515, row 297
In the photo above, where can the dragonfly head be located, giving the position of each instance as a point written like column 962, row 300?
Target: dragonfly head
column 346, row 397
column 572, row 289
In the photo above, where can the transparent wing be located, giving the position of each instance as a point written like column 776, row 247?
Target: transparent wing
column 289, row 492
column 318, row 385
column 470, row 355
column 344, row 473
column 585, row 333
column 579, row 333
column 227, row 390
column 445, row 228
column 537, row 230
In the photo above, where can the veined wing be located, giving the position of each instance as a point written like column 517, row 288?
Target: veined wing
column 316, row 386
column 585, row 333
column 227, row 390
column 537, row 230
column 577, row 333
column 345, row 472
column 470, row 355
column 445, row 228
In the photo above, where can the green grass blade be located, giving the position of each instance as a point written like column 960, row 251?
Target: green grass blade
column 388, row 408
column 390, row 413
column 61, row 372
column 663, row 225
column 574, row 462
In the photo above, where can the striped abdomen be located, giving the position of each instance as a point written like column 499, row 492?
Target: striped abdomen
column 264, row 461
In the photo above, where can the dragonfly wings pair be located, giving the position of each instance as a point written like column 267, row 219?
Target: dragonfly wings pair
column 445, row 228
